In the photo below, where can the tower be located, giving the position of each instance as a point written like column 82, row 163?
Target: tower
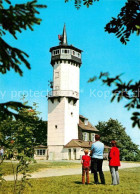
column 63, row 100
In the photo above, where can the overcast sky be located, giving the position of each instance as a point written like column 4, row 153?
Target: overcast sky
column 101, row 52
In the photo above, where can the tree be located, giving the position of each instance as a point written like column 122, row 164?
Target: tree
column 27, row 126
column 12, row 20
column 15, row 19
column 113, row 130
column 19, row 138
column 126, row 23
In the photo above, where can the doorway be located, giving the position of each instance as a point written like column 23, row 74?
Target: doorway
column 69, row 154
column 74, row 153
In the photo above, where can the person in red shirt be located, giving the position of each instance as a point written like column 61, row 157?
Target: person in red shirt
column 85, row 167
column 114, row 162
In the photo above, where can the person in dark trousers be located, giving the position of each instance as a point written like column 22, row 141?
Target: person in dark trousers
column 114, row 163
column 85, row 161
column 97, row 149
column 1, row 153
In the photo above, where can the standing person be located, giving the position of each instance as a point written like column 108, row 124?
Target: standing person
column 114, row 162
column 97, row 149
column 1, row 153
column 85, row 167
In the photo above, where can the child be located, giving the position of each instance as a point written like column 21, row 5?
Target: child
column 85, row 167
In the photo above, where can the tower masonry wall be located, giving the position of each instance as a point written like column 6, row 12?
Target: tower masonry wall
column 55, row 152
column 56, row 122
column 66, row 76
column 71, row 121
column 63, row 118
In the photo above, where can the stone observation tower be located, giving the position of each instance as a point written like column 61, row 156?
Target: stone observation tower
column 63, row 100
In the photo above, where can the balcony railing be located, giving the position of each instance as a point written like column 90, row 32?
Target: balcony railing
column 67, row 93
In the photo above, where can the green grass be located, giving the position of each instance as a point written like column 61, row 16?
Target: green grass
column 129, row 184
column 6, row 167
column 131, row 162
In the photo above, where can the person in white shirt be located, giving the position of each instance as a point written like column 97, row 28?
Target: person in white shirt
column 1, row 153
column 97, row 149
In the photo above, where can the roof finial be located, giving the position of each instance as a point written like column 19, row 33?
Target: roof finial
column 63, row 38
column 64, row 35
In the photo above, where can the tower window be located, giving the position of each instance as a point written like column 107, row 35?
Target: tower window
column 71, row 113
column 73, row 52
column 65, row 51
column 62, row 51
column 56, row 74
column 56, row 52
column 55, row 126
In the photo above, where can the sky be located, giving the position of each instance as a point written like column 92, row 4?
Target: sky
column 101, row 52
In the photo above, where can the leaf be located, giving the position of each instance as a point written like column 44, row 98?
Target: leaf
column 126, row 23
column 92, row 79
column 136, row 113
column 138, row 27
column 113, row 98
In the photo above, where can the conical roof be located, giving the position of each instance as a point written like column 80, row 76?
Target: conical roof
column 64, row 41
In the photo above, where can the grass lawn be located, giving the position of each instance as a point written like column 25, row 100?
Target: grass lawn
column 131, row 162
column 129, row 184
column 6, row 167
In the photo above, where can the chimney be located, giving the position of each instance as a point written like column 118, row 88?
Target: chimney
column 86, row 121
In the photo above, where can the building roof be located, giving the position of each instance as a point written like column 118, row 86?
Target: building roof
column 80, row 143
column 88, row 127
column 64, row 40
column 65, row 46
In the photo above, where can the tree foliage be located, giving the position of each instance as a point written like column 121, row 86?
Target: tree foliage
column 78, row 3
column 126, row 23
column 15, row 19
column 28, row 129
column 19, row 138
column 113, row 130
column 129, row 91
column 16, row 106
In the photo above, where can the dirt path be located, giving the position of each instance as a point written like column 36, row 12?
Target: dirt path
column 68, row 171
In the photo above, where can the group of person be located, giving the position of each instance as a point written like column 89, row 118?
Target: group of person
column 94, row 162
